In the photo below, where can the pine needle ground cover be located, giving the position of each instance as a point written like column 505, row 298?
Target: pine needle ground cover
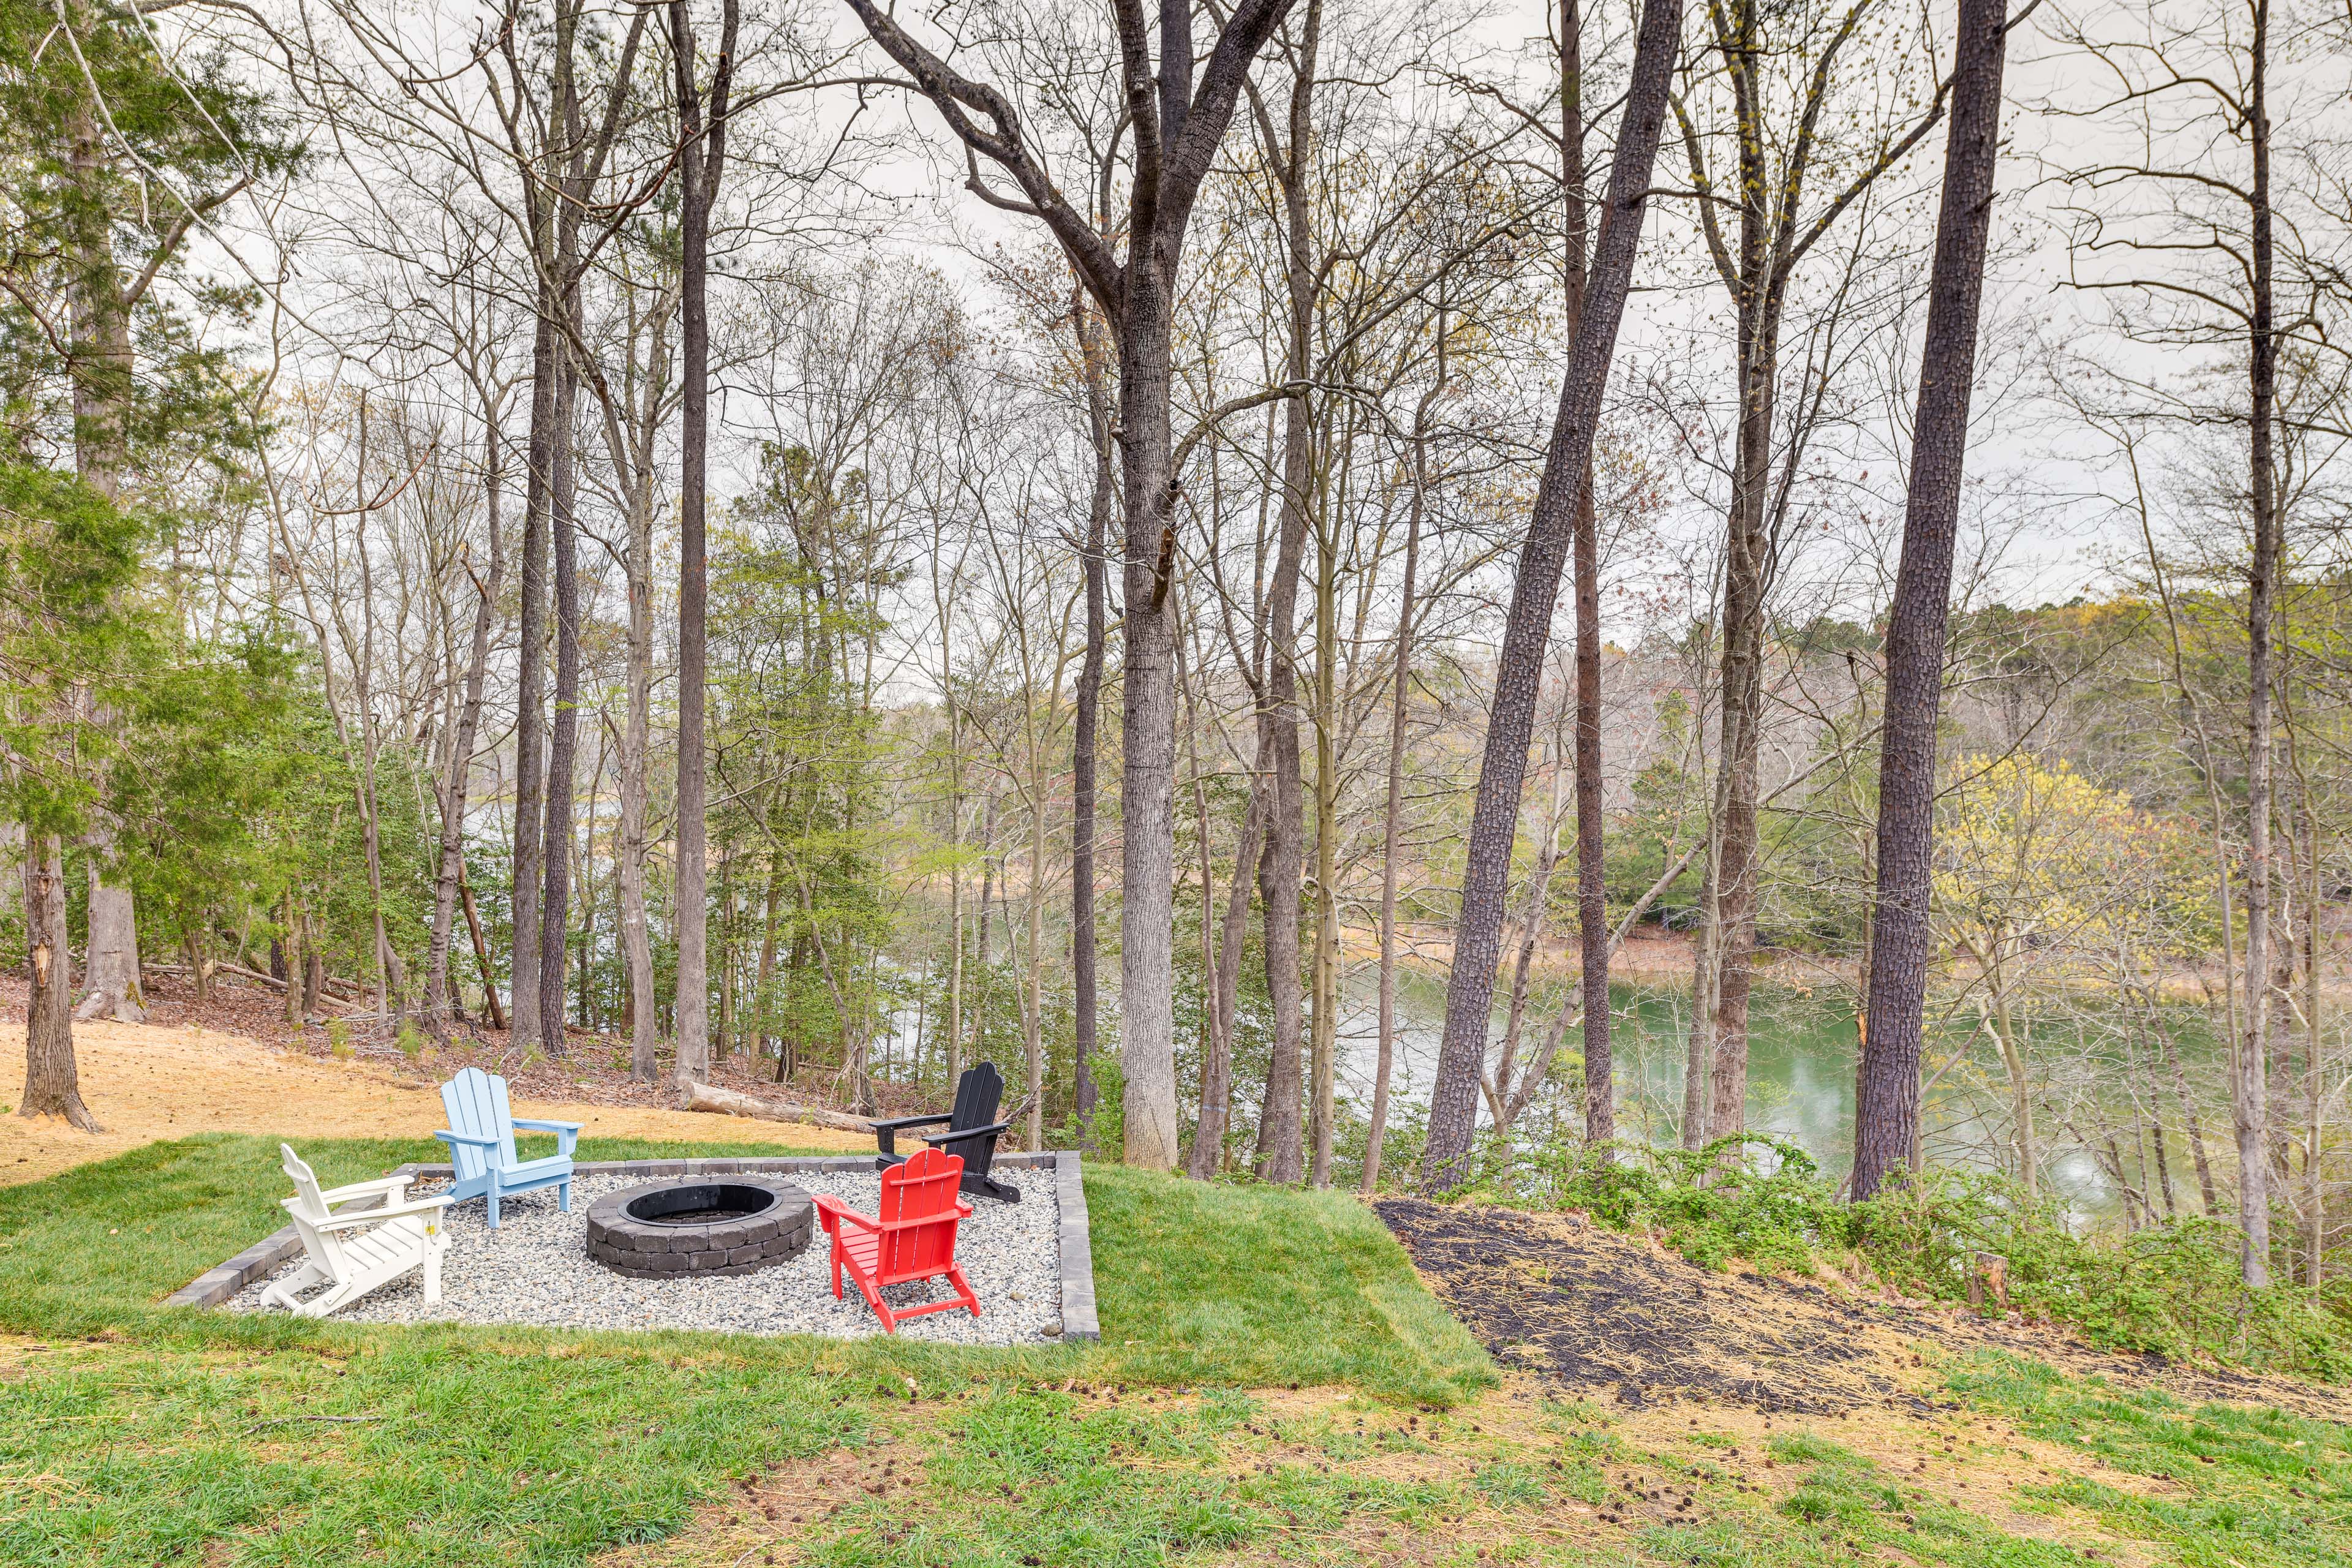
column 1275, row 1385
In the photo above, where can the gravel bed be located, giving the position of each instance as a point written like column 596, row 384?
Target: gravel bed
column 534, row 1269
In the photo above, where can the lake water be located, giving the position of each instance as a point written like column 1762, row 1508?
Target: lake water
column 1801, row 1085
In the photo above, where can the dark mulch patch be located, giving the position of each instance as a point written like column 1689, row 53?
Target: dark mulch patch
column 1594, row 1311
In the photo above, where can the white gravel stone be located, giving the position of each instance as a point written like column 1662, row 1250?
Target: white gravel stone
column 534, row 1269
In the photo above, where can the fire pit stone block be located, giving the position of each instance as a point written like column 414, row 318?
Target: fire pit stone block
column 709, row 1224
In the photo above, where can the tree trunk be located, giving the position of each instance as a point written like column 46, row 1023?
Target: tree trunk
column 52, row 1085
column 984, row 978
column 1178, row 127
column 637, row 941
column 531, row 716
column 700, row 163
column 110, row 987
column 292, row 940
column 1323, row 1039
column 1281, row 1119
column 1392, row 803
column 438, row 990
column 1033, row 1020
column 482, row 951
column 1210, row 1133
column 1469, row 996
column 564, row 730
column 2249, row 1090
column 2314, row 1144
column 102, row 366
column 1148, row 777
column 1886, row 1112
column 1084, row 940
column 1591, row 873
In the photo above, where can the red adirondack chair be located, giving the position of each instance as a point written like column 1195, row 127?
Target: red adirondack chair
column 914, row 1238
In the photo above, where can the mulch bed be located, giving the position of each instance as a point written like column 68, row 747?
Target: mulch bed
column 1595, row 1312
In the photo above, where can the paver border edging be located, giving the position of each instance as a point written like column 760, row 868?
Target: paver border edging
column 222, row 1282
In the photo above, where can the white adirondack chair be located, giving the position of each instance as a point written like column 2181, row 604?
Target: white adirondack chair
column 358, row 1249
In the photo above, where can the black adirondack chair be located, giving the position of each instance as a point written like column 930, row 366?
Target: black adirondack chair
column 972, row 1131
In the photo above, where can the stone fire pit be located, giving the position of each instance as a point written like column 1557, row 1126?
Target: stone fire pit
column 699, row 1225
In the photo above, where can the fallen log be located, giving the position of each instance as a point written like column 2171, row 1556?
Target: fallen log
column 223, row 966
column 721, row 1102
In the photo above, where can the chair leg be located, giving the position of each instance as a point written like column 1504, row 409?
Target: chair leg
column 563, row 1197
column 837, row 1271
column 493, row 1197
column 433, row 1271
column 964, row 1288
column 873, row 1294
column 1002, row 1192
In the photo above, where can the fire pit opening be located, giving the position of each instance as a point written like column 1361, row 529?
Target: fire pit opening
column 700, row 1225
column 701, row 1204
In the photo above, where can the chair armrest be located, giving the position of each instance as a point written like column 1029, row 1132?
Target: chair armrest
column 826, row 1204
column 364, row 1218
column 567, row 1133
column 360, row 1189
column 970, row 1134
column 476, row 1141
column 885, row 1134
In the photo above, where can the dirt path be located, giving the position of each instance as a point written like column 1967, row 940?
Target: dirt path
column 1594, row 1313
column 144, row 1083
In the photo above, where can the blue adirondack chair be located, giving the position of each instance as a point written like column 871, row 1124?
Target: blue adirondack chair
column 482, row 1144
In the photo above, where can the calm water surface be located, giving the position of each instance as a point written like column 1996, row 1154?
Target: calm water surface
column 1801, row 1086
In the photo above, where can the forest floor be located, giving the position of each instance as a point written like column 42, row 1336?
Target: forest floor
column 207, row 1080
column 170, row 1079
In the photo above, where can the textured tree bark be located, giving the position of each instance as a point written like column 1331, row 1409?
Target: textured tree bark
column 636, row 942
column 531, row 681
column 1886, row 1112
column 482, row 951
column 1392, row 805
column 984, row 978
column 701, row 161
column 292, row 939
column 2249, row 1090
column 1323, row 1036
column 110, row 987
column 563, row 728
column 1469, row 993
column 102, row 366
column 1280, row 1122
column 1084, row 939
column 454, row 789
column 52, row 1084
column 1147, row 776
column 1280, row 1127
column 1210, row 1131
column 1593, row 945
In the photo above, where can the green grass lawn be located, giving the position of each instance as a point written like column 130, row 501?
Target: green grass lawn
column 1274, row 1385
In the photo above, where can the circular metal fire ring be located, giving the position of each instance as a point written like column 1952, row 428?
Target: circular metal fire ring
column 700, row 1225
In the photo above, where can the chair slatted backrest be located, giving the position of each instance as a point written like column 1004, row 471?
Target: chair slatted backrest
column 977, row 1096
column 309, row 1207
column 477, row 1105
column 923, row 1190
column 978, row 1093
